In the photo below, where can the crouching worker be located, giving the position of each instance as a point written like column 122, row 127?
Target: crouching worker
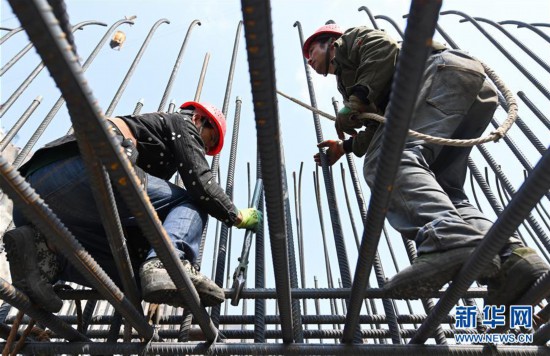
column 159, row 144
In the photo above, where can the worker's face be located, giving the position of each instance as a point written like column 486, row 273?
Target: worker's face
column 208, row 132
column 318, row 57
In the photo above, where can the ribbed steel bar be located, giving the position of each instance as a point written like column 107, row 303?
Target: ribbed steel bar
column 17, row 93
column 139, row 106
column 228, row 87
column 507, row 54
column 543, row 237
column 389, row 306
column 59, row 9
column 410, row 67
column 40, row 25
column 176, row 67
column 178, row 180
column 299, row 229
column 20, row 301
column 372, row 18
column 534, row 109
column 20, row 122
column 538, row 291
column 521, row 24
column 132, row 68
column 542, row 335
column 15, row 58
column 337, row 230
column 259, row 282
column 393, row 23
column 166, row 348
column 59, row 103
column 8, row 35
column 222, row 246
column 519, row 43
column 532, row 190
column 526, row 131
column 259, row 44
column 250, row 319
column 299, row 293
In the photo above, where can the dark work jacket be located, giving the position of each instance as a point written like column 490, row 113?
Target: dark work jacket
column 166, row 143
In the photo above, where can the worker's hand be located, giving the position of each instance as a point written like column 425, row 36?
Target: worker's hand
column 249, row 219
column 347, row 119
column 334, row 152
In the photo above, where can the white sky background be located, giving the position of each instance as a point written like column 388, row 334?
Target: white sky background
column 216, row 36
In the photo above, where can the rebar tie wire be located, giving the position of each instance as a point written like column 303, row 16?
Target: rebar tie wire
column 494, row 136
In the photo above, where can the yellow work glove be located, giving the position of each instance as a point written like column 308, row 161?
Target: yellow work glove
column 251, row 218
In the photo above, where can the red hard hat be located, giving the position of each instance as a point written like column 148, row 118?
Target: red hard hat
column 330, row 29
column 216, row 118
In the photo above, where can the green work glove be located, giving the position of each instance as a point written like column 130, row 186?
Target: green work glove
column 251, row 219
column 345, row 122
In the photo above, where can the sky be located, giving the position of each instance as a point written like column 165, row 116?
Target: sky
column 216, row 35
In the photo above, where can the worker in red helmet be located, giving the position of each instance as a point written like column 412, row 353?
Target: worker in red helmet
column 428, row 204
column 159, row 145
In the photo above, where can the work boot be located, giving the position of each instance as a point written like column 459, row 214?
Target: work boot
column 430, row 271
column 516, row 276
column 158, row 288
column 33, row 266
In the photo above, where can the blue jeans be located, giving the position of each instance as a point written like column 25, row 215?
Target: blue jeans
column 65, row 187
column 428, row 203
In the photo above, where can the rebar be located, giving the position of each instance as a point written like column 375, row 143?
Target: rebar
column 175, row 68
column 20, row 122
column 521, row 24
column 410, row 66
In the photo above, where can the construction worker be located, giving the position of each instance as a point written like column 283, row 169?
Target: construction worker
column 428, row 203
column 159, row 144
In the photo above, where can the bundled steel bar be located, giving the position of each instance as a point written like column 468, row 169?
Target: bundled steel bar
column 20, row 301
column 59, row 10
column 15, row 129
column 521, row 24
column 507, row 54
column 520, row 44
column 176, row 67
column 168, row 349
column 40, row 25
column 17, row 93
column 534, row 187
column 133, row 66
column 408, row 75
column 372, row 18
column 259, row 43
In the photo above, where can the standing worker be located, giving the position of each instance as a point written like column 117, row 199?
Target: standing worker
column 158, row 144
column 428, row 203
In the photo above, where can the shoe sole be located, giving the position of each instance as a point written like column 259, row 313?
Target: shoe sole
column 166, row 293
column 21, row 254
column 428, row 279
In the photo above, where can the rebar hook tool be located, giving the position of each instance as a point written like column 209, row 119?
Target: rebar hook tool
column 239, row 276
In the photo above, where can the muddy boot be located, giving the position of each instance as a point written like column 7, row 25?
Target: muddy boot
column 33, row 266
column 429, row 272
column 157, row 286
column 516, row 276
